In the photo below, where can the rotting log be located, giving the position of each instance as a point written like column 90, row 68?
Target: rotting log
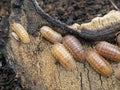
column 36, row 66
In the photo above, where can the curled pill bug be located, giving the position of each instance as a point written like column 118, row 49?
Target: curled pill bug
column 50, row 34
column 63, row 56
column 75, row 47
column 108, row 50
column 98, row 63
column 21, row 32
column 117, row 72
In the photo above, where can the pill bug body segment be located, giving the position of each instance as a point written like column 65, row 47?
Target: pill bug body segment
column 108, row 50
column 63, row 56
column 21, row 32
column 98, row 63
column 75, row 47
column 50, row 34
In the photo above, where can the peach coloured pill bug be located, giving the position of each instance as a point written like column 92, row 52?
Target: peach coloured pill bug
column 63, row 56
column 50, row 34
column 117, row 72
column 75, row 47
column 98, row 63
column 21, row 32
column 108, row 50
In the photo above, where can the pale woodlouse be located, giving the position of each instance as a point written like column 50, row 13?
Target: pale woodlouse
column 50, row 34
column 63, row 56
column 75, row 47
column 108, row 50
column 98, row 63
column 117, row 72
column 21, row 32
column 13, row 34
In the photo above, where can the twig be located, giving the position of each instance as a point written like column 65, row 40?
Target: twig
column 114, row 5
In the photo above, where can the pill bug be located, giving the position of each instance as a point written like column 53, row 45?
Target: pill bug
column 50, row 34
column 98, row 63
column 75, row 47
column 108, row 50
column 21, row 32
column 63, row 56
column 13, row 34
column 95, row 35
column 117, row 72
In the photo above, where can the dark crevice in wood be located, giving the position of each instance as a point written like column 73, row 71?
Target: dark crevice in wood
column 101, row 82
column 81, row 86
column 89, row 79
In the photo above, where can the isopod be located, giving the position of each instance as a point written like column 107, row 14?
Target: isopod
column 108, row 50
column 21, row 32
column 117, row 73
column 98, row 63
column 50, row 34
column 63, row 56
column 15, row 35
column 75, row 47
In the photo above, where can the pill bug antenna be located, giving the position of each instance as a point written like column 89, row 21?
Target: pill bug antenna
column 114, row 5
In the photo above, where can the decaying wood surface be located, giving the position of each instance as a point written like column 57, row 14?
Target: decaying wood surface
column 36, row 66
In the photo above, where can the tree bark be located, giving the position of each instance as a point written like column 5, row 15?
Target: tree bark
column 36, row 66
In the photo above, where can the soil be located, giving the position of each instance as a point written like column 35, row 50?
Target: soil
column 77, row 11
